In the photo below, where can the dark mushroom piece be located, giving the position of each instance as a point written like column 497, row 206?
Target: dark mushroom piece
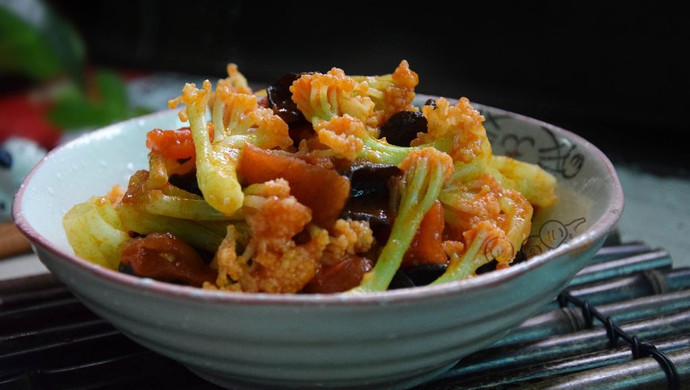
column 280, row 101
column 370, row 196
column 402, row 127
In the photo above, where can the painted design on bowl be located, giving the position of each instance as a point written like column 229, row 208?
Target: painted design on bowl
column 561, row 158
column 552, row 234
column 554, row 154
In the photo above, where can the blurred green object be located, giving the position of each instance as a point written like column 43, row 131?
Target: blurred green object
column 36, row 43
column 76, row 110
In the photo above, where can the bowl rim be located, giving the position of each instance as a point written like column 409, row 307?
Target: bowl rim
column 398, row 296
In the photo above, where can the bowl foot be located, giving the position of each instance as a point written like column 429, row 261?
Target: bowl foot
column 398, row 382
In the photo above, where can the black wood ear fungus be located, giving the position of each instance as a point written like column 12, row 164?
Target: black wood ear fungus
column 402, row 127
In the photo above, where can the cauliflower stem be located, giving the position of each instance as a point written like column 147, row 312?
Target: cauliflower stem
column 237, row 119
column 424, row 172
column 484, row 244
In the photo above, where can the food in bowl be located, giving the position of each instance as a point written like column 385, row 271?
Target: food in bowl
column 322, row 183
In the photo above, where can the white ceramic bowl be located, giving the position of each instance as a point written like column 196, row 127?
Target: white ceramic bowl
column 395, row 339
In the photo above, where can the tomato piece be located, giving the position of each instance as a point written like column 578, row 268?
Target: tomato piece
column 164, row 257
column 173, row 144
column 321, row 189
column 340, row 276
column 426, row 246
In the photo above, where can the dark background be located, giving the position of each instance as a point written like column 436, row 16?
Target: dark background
column 614, row 72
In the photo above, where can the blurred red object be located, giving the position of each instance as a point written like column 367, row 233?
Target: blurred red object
column 25, row 115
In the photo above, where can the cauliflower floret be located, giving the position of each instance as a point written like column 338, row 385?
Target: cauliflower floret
column 272, row 261
column 226, row 262
column 237, row 119
column 485, row 242
column 493, row 222
column 392, row 93
column 343, row 135
column 470, row 201
column 457, row 130
column 348, row 238
column 94, row 230
column 322, row 96
column 348, row 137
column 236, row 79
